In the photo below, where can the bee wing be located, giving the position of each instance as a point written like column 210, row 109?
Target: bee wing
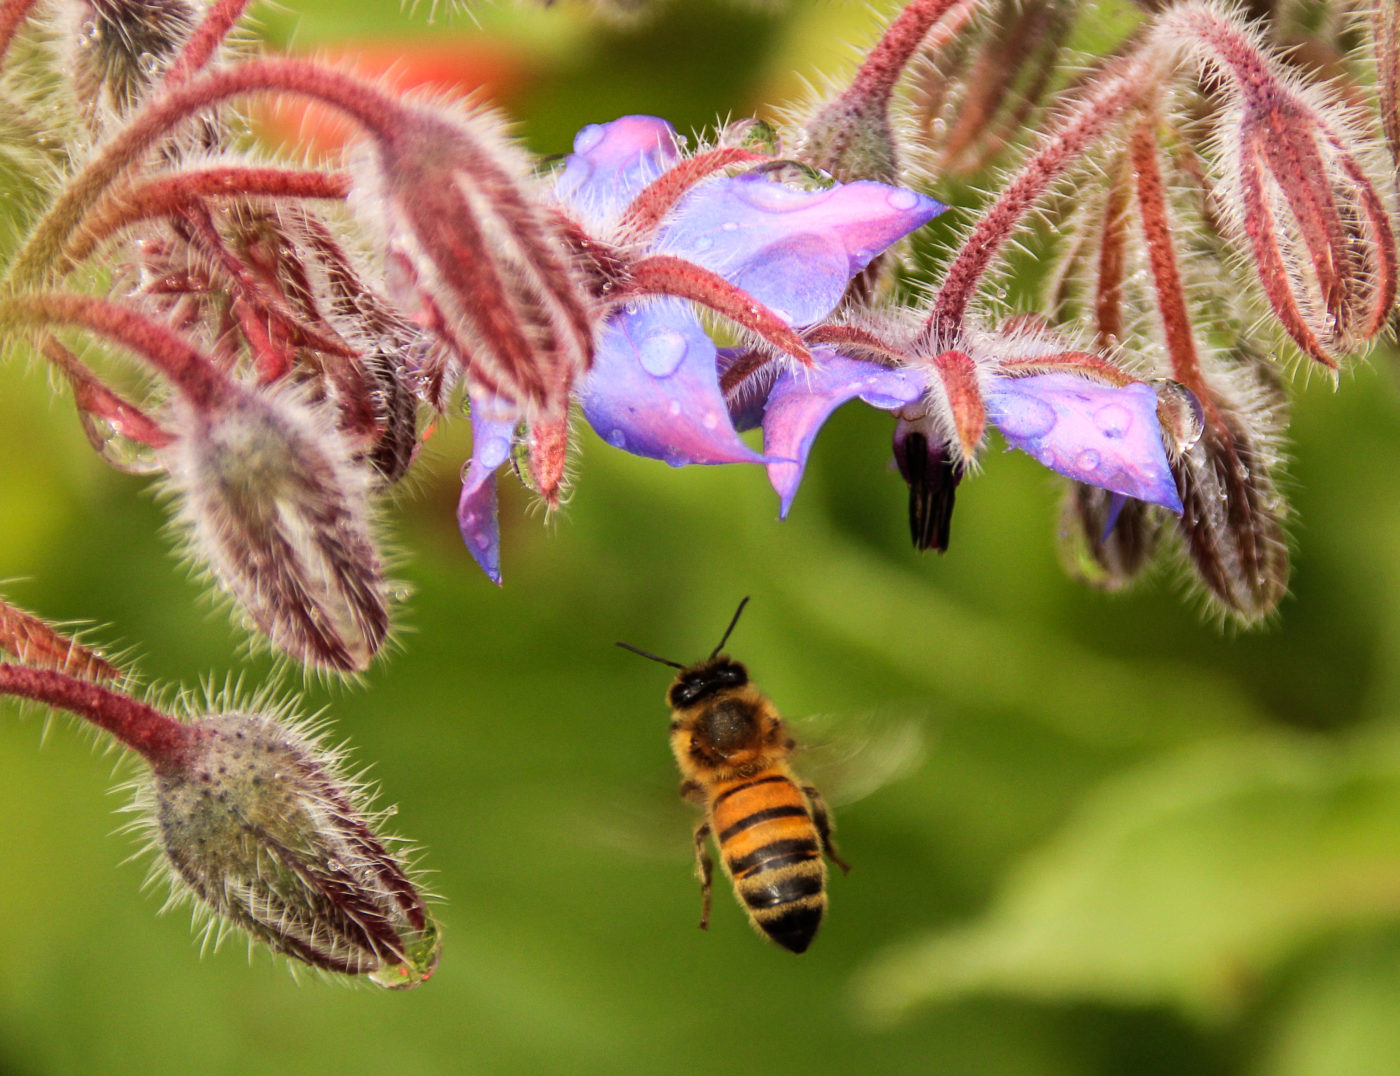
column 852, row 756
column 646, row 821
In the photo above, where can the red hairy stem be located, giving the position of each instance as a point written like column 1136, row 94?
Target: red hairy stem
column 221, row 17
column 258, row 295
column 1070, row 362
column 662, row 274
column 173, row 194
column 651, row 205
column 187, row 368
column 1033, row 38
column 1108, row 282
column 1166, row 276
column 161, row 740
column 853, row 337
column 95, row 398
column 1121, row 86
column 1385, row 38
column 12, row 14
column 36, row 643
column 372, row 108
column 881, row 71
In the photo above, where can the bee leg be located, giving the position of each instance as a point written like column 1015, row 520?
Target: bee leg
column 691, row 792
column 705, row 867
column 821, row 816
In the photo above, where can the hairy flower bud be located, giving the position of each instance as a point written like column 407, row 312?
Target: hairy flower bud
column 277, row 510
column 475, row 257
column 120, row 47
column 1232, row 517
column 1315, row 223
column 1106, row 540
column 254, row 818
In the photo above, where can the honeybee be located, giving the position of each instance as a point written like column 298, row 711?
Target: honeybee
column 771, row 831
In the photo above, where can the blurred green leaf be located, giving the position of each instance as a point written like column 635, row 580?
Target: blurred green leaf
column 1187, row 880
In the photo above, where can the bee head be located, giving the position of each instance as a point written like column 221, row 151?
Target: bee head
column 699, row 682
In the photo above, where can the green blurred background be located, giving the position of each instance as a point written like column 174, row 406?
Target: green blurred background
column 1138, row 843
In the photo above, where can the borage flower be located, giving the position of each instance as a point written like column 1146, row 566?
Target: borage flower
column 1101, row 434
column 662, row 231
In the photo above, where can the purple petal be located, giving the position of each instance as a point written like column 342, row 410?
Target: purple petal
column 611, row 163
column 1107, row 437
column 653, row 389
column 803, row 399
column 476, row 508
column 792, row 250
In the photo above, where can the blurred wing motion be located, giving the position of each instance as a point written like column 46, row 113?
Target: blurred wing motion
column 852, row 756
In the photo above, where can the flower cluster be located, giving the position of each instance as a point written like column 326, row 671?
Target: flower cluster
column 293, row 327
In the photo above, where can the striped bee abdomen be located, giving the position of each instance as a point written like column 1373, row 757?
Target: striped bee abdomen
column 772, row 851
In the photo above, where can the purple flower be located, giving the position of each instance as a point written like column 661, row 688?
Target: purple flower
column 1102, row 435
column 653, row 388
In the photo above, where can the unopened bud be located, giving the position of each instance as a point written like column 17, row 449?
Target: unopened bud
column 121, row 45
column 1316, row 225
column 254, row 818
column 474, row 256
column 1232, row 515
column 277, row 509
column 1106, row 539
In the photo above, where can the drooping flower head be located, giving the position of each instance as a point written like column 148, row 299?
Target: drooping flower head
column 770, row 255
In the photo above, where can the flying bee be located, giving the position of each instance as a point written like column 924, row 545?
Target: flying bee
column 771, row 830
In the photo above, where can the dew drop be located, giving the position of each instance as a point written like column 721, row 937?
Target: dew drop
column 617, row 439
column 588, row 138
column 902, row 200
column 674, row 408
column 710, row 420
column 661, row 353
column 1023, row 416
column 730, row 225
column 1113, row 420
column 1087, row 462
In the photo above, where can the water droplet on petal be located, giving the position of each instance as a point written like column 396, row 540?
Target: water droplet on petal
column 1024, row 416
column 902, row 200
column 710, row 420
column 661, row 352
column 1087, row 462
column 673, row 408
column 588, row 138
column 617, row 439
column 730, row 225
column 1113, row 420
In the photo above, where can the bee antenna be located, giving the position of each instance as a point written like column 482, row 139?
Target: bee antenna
column 729, row 630
column 653, row 657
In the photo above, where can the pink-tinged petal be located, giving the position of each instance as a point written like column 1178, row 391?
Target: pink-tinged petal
column 654, row 390
column 476, row 508
column 1105, row 436
column 611, row 162
column 792, row 250
column 803, row 399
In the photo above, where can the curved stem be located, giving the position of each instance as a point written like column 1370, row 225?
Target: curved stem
column 161, row 740
column 222, row 16
column 168, row 195
column 197, row 379
column 369, row 106
column 1124, row 84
